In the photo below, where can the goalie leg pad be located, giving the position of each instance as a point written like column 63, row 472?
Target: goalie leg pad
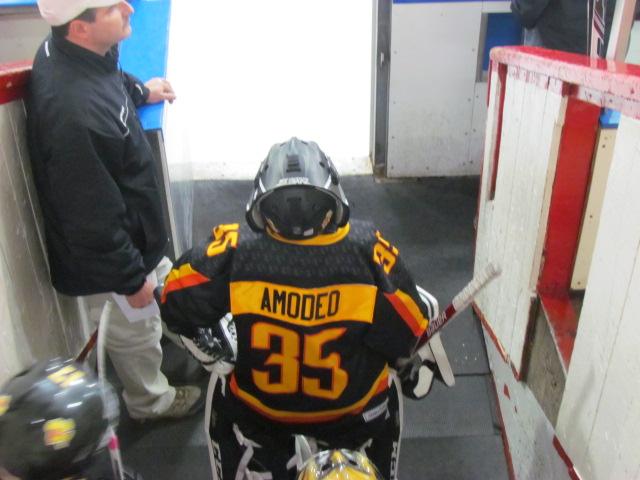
column 239, row 454
column 384, row 448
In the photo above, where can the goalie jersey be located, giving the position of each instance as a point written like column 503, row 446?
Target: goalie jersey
column 318, row 321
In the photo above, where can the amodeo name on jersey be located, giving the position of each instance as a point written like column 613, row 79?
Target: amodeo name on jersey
column 304, row 306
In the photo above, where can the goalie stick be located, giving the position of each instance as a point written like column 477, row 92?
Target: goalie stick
column 82, row 356
column 459, row 303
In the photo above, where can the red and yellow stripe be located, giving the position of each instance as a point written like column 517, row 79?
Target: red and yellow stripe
column 183, row 277
column 409, row 311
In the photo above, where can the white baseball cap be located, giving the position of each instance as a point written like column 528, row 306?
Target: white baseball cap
column 59, row 12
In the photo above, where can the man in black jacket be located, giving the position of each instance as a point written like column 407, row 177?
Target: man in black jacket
column 94, row 172
column 558, row 24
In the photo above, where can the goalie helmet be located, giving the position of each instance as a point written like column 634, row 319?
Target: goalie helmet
column 297, row 192
column 53, row 419
column 339, row 465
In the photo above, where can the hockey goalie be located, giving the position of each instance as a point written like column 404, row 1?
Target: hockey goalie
column 303, row 318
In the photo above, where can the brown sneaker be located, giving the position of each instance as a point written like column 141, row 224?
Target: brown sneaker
column 188, row 401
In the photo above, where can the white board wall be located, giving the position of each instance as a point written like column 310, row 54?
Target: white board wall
column 437, row 108
column 36, row 323
column 597, row 433
column 21, row 32
column 599, row 419
column 510, row 227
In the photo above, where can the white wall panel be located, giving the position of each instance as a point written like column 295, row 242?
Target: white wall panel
column 475, row 146
column 525, row 425
column 599, row 418
column 35, row 323
column 511, row 229
column 434, row 53
column 598, row 423
column 21, row 32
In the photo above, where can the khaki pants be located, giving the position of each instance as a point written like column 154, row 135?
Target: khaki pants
column 135, row 352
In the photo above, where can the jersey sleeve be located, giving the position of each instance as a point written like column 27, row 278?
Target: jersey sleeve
column 196, row 291
column 400, row 316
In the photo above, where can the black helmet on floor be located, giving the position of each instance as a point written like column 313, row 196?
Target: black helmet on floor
column 297, row 192
column 53, row 419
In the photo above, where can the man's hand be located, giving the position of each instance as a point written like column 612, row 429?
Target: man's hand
column 160, row 90
column 142, row 297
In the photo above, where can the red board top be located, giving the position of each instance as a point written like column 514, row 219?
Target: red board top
column 607, row 76
column 13, row 80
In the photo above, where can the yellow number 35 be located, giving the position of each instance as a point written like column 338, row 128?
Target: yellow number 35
column 288, row 359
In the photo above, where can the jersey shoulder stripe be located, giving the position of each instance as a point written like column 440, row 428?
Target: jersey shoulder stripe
column 408, row 310
column 183, row 277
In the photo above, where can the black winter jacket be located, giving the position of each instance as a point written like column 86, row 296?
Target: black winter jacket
column 94, row 171
column 561, row 24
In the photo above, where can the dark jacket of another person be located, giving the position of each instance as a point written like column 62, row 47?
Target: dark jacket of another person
column 94, row 171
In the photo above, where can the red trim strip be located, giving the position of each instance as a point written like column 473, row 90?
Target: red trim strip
column 565, row 458
column 569, row 195
column 502, row 84
column 13, row 80
column 503, row 431
column 502, row 353
column 568, row 199
column 563, row 322
column 490, row 332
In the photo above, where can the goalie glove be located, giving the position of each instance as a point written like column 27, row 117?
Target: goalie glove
column 214, row 345
column 416, row 377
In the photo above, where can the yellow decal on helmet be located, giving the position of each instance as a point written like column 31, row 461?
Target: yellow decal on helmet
column 5, row 400
column 59, row 432
column 66, row 376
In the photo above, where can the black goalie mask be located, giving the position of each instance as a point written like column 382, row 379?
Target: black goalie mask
column 297, row 192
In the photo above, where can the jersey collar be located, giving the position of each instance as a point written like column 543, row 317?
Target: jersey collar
column 324, row 239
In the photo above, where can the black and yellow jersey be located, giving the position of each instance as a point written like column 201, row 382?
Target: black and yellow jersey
column 318, row 321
